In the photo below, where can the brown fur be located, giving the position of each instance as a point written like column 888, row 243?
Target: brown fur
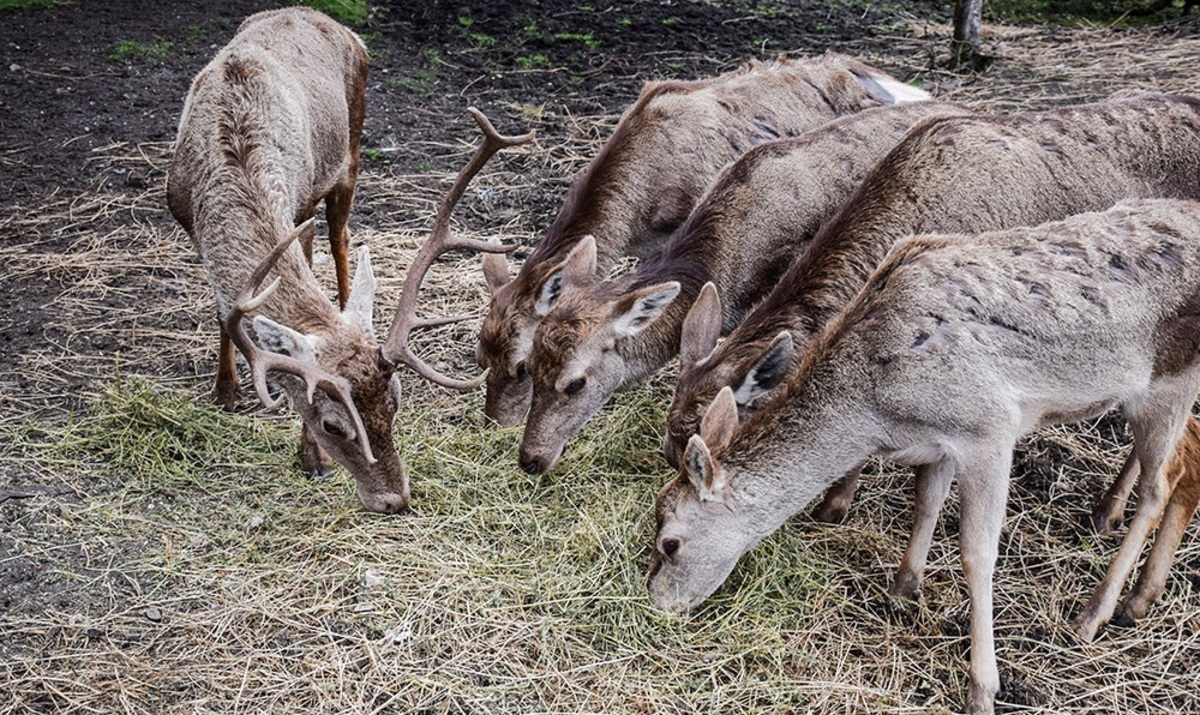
column 271, row 128
column 963, row 174
column 650, row 173
column 758, row 214
column 955, row 348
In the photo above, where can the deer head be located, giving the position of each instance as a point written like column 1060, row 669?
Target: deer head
column 576, row 360
column 342, row 383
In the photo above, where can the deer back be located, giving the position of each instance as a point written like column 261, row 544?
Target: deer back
column 757, row 215
column 648, row 176
column 963, row 174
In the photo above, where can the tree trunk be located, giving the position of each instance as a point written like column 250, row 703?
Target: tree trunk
column 966, row 50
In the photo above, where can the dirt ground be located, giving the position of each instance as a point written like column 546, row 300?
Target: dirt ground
column 90, row 94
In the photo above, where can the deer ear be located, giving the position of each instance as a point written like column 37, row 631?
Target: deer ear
column 281, row 339
column 361, row 302
column 578, row 269
column 702, row 470
column 720, row 419
column 889, row 90
column 635, row 312
column 495, row 271
column 768, row 372
column 701, row 327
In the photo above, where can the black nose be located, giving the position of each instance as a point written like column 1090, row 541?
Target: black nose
column 531, row 466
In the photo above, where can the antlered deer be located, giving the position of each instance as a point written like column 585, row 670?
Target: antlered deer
column 270, row 128
column 601, row 337
column 943, row 177
column 955, row 348
column 647, row 177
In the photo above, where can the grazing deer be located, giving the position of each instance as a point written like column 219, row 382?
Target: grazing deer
column 269, row 129
column 955, row 348
column 962, row 174
column 647, row 177
column 601, row 337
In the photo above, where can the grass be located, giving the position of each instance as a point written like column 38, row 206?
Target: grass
column 347, row 12
column 132, row 49
column 26, row 4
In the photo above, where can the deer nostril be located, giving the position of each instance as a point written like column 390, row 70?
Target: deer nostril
column 669, row 547
column 531, row 466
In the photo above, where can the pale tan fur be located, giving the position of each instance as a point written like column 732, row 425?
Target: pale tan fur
column 271, row 128
column 647, row 177
column 955, row 348
column 759, row 213
column 960, row 174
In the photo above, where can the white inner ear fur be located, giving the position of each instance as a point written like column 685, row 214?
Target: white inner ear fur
column 551, row 289
column 279, row 338
column 361, row 302
column 702, row 471
column 645, row 310
column 765, row 375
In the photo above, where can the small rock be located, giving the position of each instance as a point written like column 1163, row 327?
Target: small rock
column 256, row 521
column 363, row 607
column 153, row 614
column 93, row 633
column 76, row 619
column 14, row 67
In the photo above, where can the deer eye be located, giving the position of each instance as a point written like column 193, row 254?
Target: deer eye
column 521, row 372
column 575, row 385
column 333, row 429
column 669, row 547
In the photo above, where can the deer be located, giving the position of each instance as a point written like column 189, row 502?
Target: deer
column 956, row 347
column 647, row 177
column 270, row 128
column 605, row 336
column 941, row 178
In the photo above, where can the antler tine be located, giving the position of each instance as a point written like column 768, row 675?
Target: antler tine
column 261, row 361
column 440, row 241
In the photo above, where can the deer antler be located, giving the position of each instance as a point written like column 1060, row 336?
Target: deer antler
column 440, row 241
column 336, row 386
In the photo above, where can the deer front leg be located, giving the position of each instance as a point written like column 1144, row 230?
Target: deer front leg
column 226, row 387
column 313, row 460
column 1111, row 507
column 983, row 489
column 337, row 216
column 833, row 508
column 932, row 488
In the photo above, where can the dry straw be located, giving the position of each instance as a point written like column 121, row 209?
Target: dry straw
column 174, row 559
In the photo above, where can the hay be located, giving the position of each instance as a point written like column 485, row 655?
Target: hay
column 196, row 570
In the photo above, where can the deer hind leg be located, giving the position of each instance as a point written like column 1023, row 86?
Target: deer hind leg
column 1184, row 483
column 337, row 216
column 1107, row 515
column 833, row 508
column 932, row 488
column 1156, row 430
column 226, row 388
column 983, row 493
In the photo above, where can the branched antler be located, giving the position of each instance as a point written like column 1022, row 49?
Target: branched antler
column 440, row 241
column 336, row 386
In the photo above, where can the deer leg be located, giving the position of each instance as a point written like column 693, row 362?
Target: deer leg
column 337, row 216
column 932, row 487
column 836, row 503
column 314, row 460
column 1155, row 433
column 1106, row 517
column 983, row 493
column 1184, row 472
column 226, row 388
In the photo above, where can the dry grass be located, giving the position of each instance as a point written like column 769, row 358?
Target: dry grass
column 178, row 562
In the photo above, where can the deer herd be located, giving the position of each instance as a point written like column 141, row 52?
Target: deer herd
column 894, row 276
